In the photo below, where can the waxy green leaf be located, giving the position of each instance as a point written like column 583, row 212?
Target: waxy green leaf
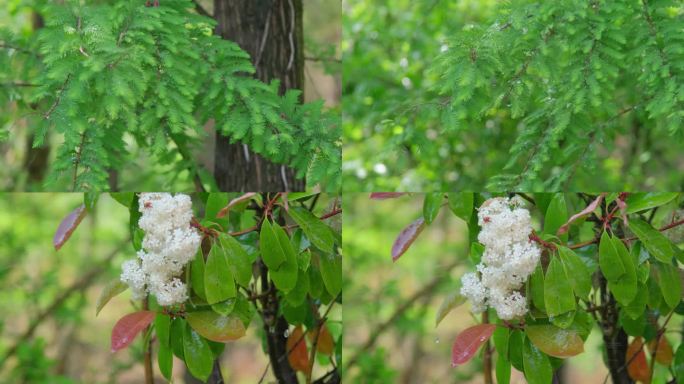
column 331, row 272
column 216, row 327
column 218, row 279
column 285, row 275
column 165, row 361
column 238, row 260
column 558, row 297
column 637, row 202
column 577, row 272
column 461, row 204
column 556, row 216
column 197, row 275
column 624, row 288
column 316, row 231
column 431, row 205
column 655, row 242
column 537, row 365
column 162, row 327
column 555, row 341
column 609, row 259
column 669, row 281
column 198, row 355
column 272, row 252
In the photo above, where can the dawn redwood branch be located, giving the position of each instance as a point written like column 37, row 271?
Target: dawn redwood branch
column 59, row 97
column 85, row 281
column 385, row 325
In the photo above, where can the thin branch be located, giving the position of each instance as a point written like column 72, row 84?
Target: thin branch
column 86, row 280
column 627, row 239
column 59, row 97
column 324, row 59
column 385, row 325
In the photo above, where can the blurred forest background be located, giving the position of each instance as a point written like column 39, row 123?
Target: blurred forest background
column 394, row 131
column 322, row 36
column 389, row 316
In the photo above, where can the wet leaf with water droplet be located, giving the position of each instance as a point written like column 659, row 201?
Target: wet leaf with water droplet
column 469, row 341
column 127, row 328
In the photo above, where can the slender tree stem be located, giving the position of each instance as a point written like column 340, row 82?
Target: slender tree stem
column 487, row 366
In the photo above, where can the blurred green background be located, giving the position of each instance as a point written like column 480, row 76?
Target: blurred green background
column 397, row 302
column 322, row 35
column 393, row 128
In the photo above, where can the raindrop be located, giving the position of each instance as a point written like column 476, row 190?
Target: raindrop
column 436, row 340
column 286, row 334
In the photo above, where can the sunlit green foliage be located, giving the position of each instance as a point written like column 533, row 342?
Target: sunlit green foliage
column 526, row 95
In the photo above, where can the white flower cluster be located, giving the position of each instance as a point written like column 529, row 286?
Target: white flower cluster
column 508, row 260
column 169, row 243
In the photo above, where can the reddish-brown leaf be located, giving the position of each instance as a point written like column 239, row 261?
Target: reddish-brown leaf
column 128, row 327
column 67, row 226
column 386, row 195
column 298, row 355
column 325, row 343
column 232, row 203
column 586, row 211
column 664, row 353
column 406, row 238
column 637, row 367
column 469, row 341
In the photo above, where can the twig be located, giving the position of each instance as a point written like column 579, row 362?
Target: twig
column 59, row 97
column 487, row 365
column 147, row 350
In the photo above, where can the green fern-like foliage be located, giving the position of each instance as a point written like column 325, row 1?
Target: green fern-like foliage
column 566, row 72
column 112, row 75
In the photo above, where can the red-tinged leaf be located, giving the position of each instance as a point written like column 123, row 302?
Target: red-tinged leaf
column 325, row 343
column 67, row 226
column 554, row 341
column 298, row 355
column 406, row 238
column 216, row 327
column 469, row 341
column 128, row 327
column 586, row 211
column 386, row 195
column 637, row 368
column 232, row 203
column 664, row 353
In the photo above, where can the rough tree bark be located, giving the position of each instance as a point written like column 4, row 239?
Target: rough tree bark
column 271, row 31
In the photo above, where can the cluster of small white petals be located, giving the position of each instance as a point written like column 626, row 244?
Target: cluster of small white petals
column 169, row 244
column 508, row 260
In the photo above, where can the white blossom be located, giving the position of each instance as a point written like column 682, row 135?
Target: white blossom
column 507, row 262
column 168, row 245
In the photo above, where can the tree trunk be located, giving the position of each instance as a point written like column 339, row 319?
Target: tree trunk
column 614, row 337
column 271, row 31
column 36, row 160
